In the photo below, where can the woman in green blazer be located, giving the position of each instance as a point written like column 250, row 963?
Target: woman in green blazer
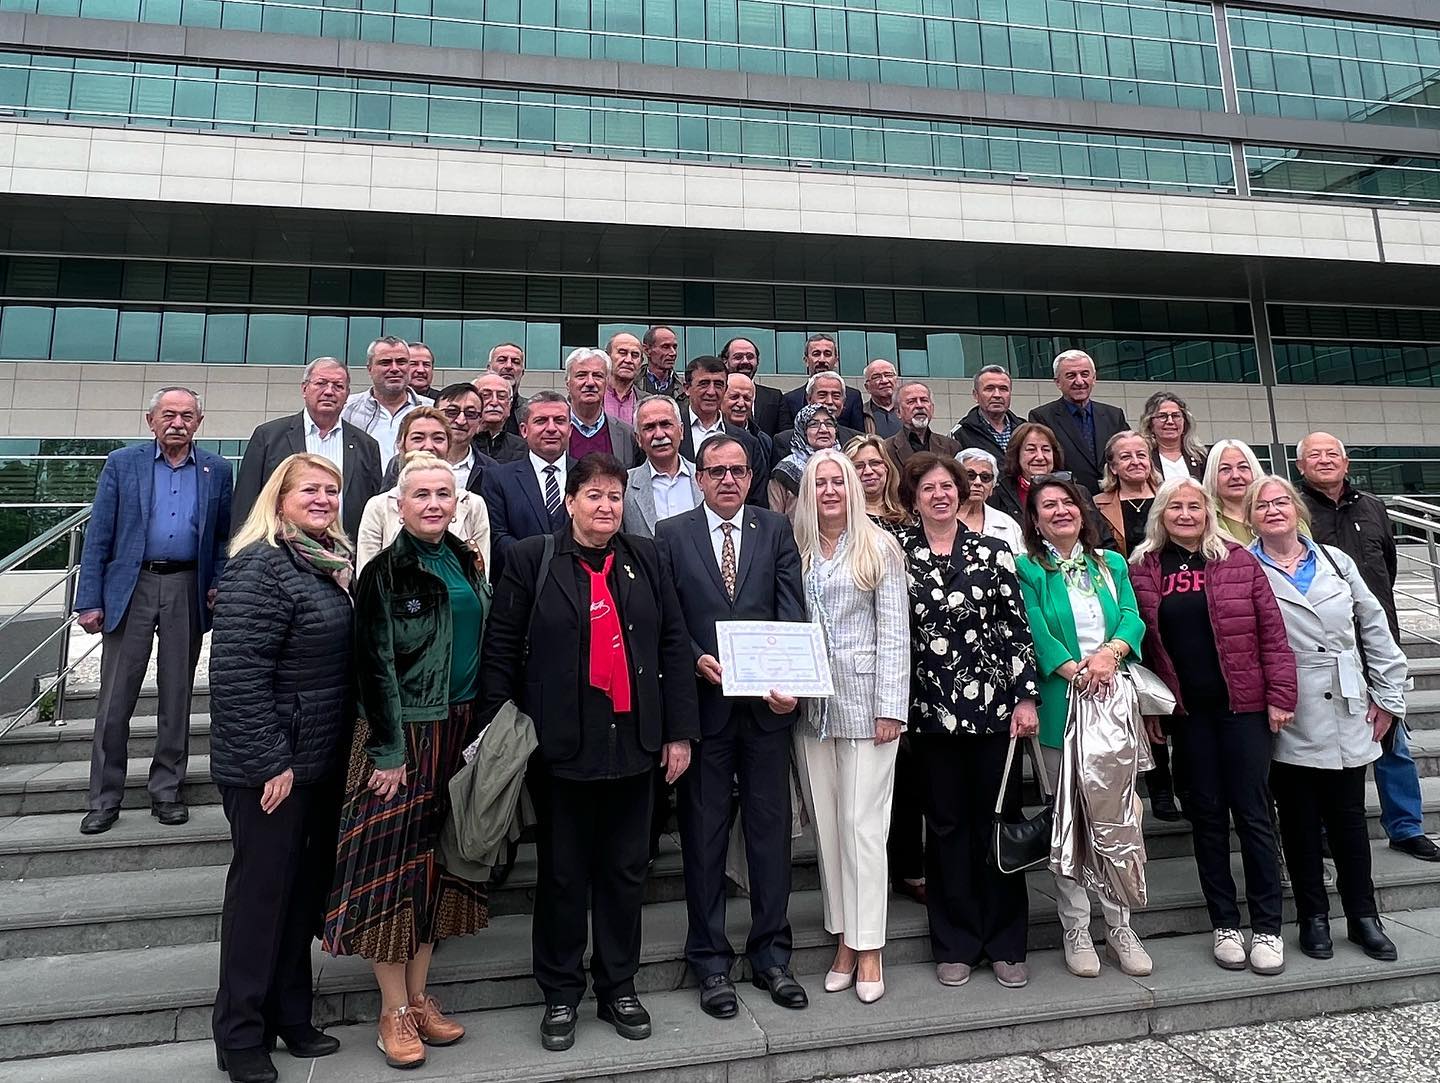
column 1085, row 622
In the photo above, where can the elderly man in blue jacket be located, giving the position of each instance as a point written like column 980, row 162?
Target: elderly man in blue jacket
column 154, row 551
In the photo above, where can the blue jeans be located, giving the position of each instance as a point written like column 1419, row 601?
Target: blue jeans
column 1399, row 784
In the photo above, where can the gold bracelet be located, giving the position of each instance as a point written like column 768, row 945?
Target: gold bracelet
column 1114, row 650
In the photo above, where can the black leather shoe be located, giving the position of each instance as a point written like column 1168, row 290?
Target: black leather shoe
column 1162, row 804
column 1369, row 934
column 557, row 1029
column 1315, row 937
column 246, row 1065
column 784, row 989
column 717, row 997
column 99, row 821
column 501, row 872
column 170, row 813
column 306, row 1041
column 1420, row 846
column 627, row 1015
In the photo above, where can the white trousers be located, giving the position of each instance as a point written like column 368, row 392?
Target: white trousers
column 848, row 789
column 1074, row 900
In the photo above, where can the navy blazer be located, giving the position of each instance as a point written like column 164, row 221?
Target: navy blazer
column 852, row 414
column 754, row 451
column 120, row 517
column 767, row 587
column 517, row 508
column 1085, row 465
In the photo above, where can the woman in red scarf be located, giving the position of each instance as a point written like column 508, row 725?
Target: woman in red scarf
column 591, row 644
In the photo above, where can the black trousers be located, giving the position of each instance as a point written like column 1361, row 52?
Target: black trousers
column 905, row 847
column 664, row 798
column 760, row 761
column 1171, row 773
column 275, row 895
column 1228, row 758
column 592, row 845
column 976, row 912
column 1312, row 800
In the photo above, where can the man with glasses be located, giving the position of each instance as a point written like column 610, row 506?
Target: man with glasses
column 879, row 409
column 822, row 354
column 492, row 437
column 735, row 563
column 705, row 379
column 743, row 356
column 378, row 410
column 659, row 377
column 508, row 360
column 461, row 407
column 916, row 410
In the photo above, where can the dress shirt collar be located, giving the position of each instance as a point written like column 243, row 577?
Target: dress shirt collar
column 313, row 426
column 588, row 430
column 686, row 470
column 160, row 454
column 696, row 423
column 714, row 521
column 539, row 465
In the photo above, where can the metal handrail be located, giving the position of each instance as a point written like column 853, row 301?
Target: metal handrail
column 45, row 540
column 1422, row 517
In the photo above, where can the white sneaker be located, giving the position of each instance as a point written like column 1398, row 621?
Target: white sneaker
column 1230, row 949
column 1125, row 949
column 1080, row 957
column 1267, row 954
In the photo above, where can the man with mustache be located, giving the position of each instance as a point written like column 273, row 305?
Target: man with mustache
column 916, row 410
column 664, row 484
column 493, row 437
column 154, row 551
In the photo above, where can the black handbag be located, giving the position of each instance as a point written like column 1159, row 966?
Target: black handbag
column 1020, row 847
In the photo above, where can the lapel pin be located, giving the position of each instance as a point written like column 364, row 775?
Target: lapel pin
column 629, row 571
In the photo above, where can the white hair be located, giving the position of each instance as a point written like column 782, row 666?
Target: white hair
column 1211, row 480
column 966, row 454
column 1304, row 440
column 810, row 383
column 323, row 363
column 586, row 353
column 417, row 462
column 666, row 399
column 1212, row 542
column 155, row 398
column 1071, row 355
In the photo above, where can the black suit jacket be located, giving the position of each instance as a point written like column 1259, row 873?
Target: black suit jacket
column 767, row 587
column 754, row 451
column 766, row 411
column 274, row 441
column 852, row 414
column 1084, row 462
column 472, row 483
column 517, row 509
column 544, row 673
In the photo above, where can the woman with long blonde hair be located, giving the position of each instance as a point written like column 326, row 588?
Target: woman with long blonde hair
column 1230, row 469
column 856, row 590
column 879, row 477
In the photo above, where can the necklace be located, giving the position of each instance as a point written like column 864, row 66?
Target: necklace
column 1287, row 562
column 1137, row 504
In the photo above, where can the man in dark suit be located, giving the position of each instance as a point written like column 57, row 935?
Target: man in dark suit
column 154, row 551
column 526, row 497
column 701, row 418
column 492, row 438
column 318, row 430
column 822, row 354
column 735, row 563
column 743, row 356
column 1081, row 425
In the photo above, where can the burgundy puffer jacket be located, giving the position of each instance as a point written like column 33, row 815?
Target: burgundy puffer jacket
column 1255, row 654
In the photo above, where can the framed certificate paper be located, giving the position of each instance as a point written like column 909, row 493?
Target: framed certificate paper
column 787, row 656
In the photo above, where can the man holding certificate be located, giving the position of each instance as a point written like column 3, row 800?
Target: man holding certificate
column 736, row 563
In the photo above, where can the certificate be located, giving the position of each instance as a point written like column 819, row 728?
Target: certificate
column 787, row 656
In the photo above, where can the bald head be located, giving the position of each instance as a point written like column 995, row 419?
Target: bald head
column 739, row 401
column 1323, row 463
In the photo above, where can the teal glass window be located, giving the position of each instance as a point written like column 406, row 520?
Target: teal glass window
column 84, row 334
column 25, row 332
column 1292, row 172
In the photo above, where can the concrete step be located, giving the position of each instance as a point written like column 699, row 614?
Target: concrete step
column 1426, row 674
column 1415, row 647
column 32, row 788
column 150, row 998
column 45, row 743
column 80, row 698
column 1422, row 710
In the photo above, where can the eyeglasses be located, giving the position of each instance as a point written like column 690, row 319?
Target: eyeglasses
column 717, row 473
column 821, row 425
column 975, row 475
column 1169, row 416
column 1045, row 479
column 453, row 412
column 1280, row 503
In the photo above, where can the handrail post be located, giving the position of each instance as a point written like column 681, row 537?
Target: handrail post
column 1434, row 574
column 65, row 617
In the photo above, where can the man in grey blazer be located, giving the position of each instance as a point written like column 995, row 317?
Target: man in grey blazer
column 664, row 484
column 318, row 430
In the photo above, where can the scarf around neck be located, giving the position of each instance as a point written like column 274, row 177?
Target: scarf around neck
column 800, row 449
column 333, row 560
column 1075, row 568
column 609, row 670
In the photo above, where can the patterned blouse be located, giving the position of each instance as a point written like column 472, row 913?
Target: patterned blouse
column 969, row 638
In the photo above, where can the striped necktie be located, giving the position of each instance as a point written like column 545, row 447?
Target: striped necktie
column 552, row 490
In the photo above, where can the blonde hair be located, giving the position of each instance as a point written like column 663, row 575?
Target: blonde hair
column 1109, row 483
column 264, row 523
column 1212, row 542
column 890, row 508
column 867, row 544
column 1211, row 480
column 1252, row 496
column 420, row 413
column 416, row 461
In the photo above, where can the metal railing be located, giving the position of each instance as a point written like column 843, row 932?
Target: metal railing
column 70, row 532
column 1419, row 523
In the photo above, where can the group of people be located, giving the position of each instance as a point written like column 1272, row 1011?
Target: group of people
column 408, row 563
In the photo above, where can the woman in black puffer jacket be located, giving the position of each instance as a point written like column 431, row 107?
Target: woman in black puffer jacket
column 281, row 714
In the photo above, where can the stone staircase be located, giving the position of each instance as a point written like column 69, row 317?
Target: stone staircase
column 108, row 955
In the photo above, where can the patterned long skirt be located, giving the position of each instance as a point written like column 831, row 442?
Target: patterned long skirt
column 391, row 894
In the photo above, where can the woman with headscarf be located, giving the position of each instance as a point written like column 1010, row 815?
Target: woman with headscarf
column 815, row 429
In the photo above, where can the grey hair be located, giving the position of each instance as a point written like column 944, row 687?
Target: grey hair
column 1070, row 355
column 323, row 363
column 810, row 383
column 155, row 398
column 522, row 412
column 995, row 370
column 500, row 346
column 586, row 353
column 1300, row 447
column 821, row 337
column 384, row 340
column 667, row 400
column 966, row 454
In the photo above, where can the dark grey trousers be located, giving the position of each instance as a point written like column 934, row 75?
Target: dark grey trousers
column 165, row 603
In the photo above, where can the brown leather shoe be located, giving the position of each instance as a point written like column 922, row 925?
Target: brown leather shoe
column 434, row 1028
column 399, row 1039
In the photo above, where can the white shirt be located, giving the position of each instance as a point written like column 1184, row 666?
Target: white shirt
column 539, row 465
column 365, row 411
column 1169, row 470
column 462, row 471
column 330, row 445
column 1089, row 617
column 999, row 525
column 717, row 536
column 673, row 496
column 699, row 433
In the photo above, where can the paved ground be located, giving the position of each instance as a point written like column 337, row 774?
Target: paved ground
column 1391, row 1046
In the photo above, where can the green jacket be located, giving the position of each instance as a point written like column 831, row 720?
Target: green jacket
column 402, row 643
column 1052, row 624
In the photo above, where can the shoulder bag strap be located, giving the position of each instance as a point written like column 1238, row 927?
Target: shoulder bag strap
column 540, row 581
column 1033, row 747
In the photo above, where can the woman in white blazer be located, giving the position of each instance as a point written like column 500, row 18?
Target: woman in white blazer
column 380, row 524
column 1351, row 693
column 856, row 590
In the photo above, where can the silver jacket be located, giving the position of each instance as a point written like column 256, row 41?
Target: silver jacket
column 1330, row 730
